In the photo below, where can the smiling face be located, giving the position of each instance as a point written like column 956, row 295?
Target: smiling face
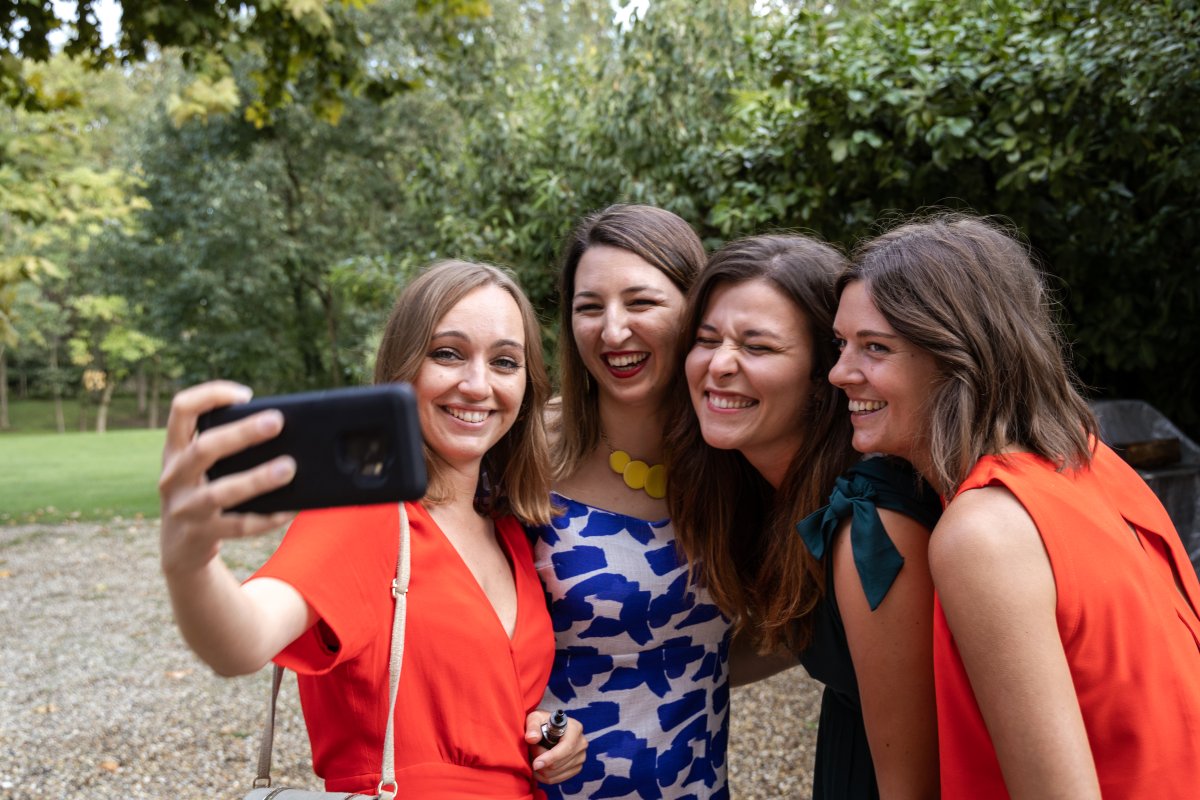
column 749, row 373
column 886, row 378
column 471, row 382
column 625, row 317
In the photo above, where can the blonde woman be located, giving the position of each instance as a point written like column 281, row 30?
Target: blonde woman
column 478, row 646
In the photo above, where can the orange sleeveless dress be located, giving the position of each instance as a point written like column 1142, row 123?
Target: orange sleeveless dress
column 1131, row 640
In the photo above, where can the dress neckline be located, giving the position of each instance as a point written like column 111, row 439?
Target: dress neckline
column 506, row 547
column 654, row 523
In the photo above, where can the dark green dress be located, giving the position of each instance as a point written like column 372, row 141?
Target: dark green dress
column 844, row 770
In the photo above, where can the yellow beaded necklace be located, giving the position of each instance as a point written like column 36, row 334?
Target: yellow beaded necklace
column 637, row 474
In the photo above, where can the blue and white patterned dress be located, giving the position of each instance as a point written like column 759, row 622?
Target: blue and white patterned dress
column 641, row 657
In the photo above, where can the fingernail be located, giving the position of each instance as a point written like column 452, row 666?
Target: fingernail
column 537, row 765
column 242, row 393
column 285, row 467
column 270, row 421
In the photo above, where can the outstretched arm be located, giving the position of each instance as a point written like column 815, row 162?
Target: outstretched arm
column 234, row 628
column 892, row 649
column 997, row 590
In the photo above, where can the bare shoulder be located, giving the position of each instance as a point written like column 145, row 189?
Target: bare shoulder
column 907, row 534
column 988, row 520
column 985, row 536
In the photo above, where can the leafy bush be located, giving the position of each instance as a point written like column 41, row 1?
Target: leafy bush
column 1078, row 121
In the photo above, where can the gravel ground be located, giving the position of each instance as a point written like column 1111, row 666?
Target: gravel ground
column 100, row 698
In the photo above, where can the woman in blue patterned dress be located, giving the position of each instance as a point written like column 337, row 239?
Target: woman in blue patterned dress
column 766, row 441
column 642, row 653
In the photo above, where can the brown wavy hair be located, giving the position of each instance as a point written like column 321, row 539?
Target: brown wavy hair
column 966, row 289
column 663, row 240
column 516, row 468
column 737, row 531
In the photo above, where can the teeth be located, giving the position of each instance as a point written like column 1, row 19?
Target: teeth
column 626, row 360
column 866, row 405
column 731, row 402
column 467, row 415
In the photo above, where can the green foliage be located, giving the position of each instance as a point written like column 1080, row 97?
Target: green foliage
column 630, row 117
column 271, row 254
column 263, row 255
column 315, row 42
column 105, row 338
column 1077, row 121
column 61, row 187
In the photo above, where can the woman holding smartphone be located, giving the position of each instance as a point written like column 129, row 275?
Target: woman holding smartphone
column 478, row 645
column 641, row 652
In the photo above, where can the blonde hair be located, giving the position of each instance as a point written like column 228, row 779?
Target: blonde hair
column 517, row 466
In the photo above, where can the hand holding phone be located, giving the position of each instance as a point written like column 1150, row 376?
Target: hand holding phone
column 351, row 446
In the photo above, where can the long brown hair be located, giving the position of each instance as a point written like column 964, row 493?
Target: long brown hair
column 517, row 466
column 966, row 290
column 739, row 533
column 659, row 238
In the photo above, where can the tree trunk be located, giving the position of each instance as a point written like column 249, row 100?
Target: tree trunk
column 331, row 328
column 155, row 390
column 3, row 388
column 141, row 389
column 105, row 399
column 60, row 420
column 307, row 327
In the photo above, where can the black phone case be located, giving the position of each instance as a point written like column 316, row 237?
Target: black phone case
column 352, row 447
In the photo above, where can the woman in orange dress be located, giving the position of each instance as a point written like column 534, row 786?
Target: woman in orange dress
column 478, row 644
column 1066, row 627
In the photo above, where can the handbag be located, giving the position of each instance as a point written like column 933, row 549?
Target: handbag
column 387, row 783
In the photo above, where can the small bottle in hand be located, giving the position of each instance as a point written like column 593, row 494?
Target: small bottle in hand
column 554, row 729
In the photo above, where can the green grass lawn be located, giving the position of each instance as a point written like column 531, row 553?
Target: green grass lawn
column 79, row 476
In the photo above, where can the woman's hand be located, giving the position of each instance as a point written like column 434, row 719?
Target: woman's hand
column 565, row 759
column 236, row 629
column 193, row 524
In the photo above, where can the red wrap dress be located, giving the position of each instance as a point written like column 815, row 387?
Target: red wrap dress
column 465, row 687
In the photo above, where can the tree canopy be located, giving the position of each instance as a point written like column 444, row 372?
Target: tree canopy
column 314, row 47
column 267, row 243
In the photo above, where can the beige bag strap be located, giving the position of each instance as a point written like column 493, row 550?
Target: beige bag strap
column 387, row 782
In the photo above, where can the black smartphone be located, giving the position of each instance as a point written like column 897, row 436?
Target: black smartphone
column 352, row 447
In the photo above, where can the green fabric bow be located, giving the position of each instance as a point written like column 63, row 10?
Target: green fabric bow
column 876, row 559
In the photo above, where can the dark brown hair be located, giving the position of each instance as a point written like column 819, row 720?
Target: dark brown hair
column 966, row 290
column 737, row 531
column 658, row 237
column 517, row 466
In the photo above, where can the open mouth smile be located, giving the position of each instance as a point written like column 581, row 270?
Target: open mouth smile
column 729, row 402
column 625, row 364
column 470, row 415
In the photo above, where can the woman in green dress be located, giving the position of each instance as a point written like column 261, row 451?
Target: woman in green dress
column 766, row 443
